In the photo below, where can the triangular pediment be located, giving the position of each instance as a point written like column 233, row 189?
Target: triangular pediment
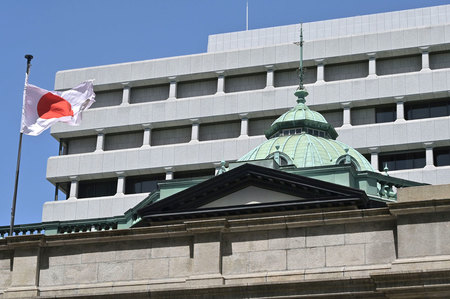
column 251, row 189
column 250, row 195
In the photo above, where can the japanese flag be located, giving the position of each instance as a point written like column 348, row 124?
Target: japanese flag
column 42, row 108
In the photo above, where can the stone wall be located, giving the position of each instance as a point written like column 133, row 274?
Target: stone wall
column 5, row 270
column 372, row 252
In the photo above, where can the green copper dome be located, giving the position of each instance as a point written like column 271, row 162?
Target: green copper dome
column 301, row 117
column 304, row 138
column 305, row 150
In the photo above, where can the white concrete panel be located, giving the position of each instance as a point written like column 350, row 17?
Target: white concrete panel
column 132, row 161
column 385, row 86
column 141, row 71
column 373, row 131
column 58, row 211
column 205, row 152
column 400, row 133
column 397, row 39
column 443, row 173
column 105, row 207
column 47, row 211
column 427, row 131
column 82, row 208
column 426, row 82
column 384, row 41
column 108, row 206
column 320, row 94
column 399, row 87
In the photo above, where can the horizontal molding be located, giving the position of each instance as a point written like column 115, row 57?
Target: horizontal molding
column 364, row 24
column 190, row 156
column 393, row 136
column 205, row 65
column 187, row 156
column 429, row 175
column 90, row 208
column 259, row 103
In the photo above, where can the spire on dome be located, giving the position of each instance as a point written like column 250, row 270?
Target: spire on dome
column 301, row 71
column 301, row 92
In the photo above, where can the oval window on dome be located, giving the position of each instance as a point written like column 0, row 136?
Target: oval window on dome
column 281, row 158
column 347, row 159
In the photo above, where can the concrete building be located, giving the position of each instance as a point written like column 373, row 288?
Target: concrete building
column 152, row 211
column 382, row 80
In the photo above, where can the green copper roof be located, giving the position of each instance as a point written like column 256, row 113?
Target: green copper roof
column 301, row 116
column 306, row 150
column 304, row 137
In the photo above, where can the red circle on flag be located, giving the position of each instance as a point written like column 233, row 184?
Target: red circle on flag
column 52, row 106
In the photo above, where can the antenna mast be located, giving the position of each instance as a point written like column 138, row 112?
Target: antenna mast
column 246, row 17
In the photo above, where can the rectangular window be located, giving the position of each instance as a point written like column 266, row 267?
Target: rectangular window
column 441, row 156
column 427, row 109
column 123, row 140
column 143, row 184
column 440, row 60
column 344, row 71
column 151, row 93
column 397, row 65
column 334, row 118
column 97, row 188
column 257, row 126
column 399, row 161
column 64, row 188
column 385, row 114
column 108, row 98
column 171, row 135
column 193, row 173
column 245, row 82
column 196, row 88
column 290, row 77
column 438, row 109
column 81, row 145
column 217, row 131
column 363, row 116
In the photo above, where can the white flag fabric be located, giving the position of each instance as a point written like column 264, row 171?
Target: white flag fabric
column 42, row 108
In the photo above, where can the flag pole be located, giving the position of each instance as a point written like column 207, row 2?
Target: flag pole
column 28, row 57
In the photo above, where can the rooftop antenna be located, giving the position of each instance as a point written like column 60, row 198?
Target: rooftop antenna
column 246, row 17
column 301, row 92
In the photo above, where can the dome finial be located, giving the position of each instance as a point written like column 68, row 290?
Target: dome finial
column 301, row 92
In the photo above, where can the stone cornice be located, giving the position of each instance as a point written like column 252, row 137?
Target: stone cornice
column 232, row 224
column 189, row 228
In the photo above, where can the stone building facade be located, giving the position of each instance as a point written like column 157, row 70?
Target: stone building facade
column 400, row 251
column 158, row 207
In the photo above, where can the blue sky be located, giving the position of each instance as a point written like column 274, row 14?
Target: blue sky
column 73, row 34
